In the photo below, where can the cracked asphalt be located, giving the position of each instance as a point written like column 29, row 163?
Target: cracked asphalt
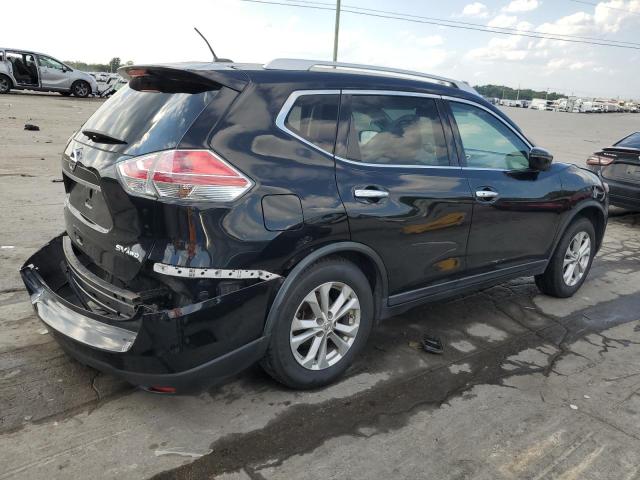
column 528, row 386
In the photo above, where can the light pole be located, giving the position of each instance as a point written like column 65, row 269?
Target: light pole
column 337, row 30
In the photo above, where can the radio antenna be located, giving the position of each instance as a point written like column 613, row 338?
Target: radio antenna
column 215, row 57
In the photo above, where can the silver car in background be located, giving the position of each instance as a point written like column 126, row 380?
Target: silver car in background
column 25, row 70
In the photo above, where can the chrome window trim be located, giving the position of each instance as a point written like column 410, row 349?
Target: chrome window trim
column 286, row 107
column 482, row 107
column 405, row 166
column 392, row 93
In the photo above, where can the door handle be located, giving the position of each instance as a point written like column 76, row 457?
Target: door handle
column 370, row 193
column 486, row 194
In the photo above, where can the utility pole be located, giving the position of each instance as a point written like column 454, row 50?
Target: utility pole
column 546, row 95
column 518, row 94
column 337, row 31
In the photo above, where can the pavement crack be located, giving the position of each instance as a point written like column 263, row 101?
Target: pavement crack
column 93, row 386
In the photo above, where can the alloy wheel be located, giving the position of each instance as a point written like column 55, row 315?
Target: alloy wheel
column 81, row 90
column 325, row 325
column 4, row 84
column 576, row 258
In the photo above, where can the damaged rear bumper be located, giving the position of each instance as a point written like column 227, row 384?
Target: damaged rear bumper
column 180, row 347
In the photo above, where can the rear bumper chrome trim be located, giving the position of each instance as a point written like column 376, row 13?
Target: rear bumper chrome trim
column 221, row 274
column 80, row 328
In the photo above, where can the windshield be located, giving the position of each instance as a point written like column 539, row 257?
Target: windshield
column 146, row 121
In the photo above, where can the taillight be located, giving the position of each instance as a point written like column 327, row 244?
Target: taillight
column 599, row 160
column 183, row 174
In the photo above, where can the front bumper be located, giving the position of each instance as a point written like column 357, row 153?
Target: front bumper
column 181, row 347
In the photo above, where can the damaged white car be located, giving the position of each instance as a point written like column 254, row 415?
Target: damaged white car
column 25, row 70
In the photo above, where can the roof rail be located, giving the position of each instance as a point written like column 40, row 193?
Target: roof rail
column 301, row 64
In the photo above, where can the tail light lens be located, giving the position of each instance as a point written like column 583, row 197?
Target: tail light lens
column 599, row 160
column 183, row 174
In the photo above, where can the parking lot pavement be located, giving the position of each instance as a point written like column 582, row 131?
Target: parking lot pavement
column 528, row 386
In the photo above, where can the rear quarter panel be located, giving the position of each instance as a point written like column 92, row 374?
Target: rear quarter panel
column 235, row 235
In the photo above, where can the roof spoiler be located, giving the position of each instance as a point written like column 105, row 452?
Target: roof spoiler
column 232, row 79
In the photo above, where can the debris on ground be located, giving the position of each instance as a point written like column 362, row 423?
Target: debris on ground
column 31, row 126
column 573, row 407
column 182, row 452
column 432, row 344
column 57, row 180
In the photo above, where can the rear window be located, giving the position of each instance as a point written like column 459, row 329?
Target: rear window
column 315, row 118
column 632, row 141
column 146, row 121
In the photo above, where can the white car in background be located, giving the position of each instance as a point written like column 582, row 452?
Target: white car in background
column 25, row 70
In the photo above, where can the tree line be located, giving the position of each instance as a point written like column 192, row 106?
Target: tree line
column 501, row 91
column 111, row 66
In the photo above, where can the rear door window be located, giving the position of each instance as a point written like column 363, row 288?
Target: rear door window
column 315, row 119
column 396, row 130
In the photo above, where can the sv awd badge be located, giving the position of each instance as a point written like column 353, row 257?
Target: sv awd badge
column 127, row 251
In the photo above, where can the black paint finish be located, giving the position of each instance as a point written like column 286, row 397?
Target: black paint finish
column 430, row 237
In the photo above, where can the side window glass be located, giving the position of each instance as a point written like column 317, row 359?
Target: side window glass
column 487, row 142
column 315, row 118
column 50, row 62
column 390, row 129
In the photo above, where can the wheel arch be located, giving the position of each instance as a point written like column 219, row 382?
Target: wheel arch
column 362, row 256
column 8, row 77
column 78, row 80
column 591, row 210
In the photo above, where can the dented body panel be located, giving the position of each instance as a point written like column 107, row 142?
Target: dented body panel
column 171, row 346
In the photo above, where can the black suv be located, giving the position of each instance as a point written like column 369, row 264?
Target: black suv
column 223, row 214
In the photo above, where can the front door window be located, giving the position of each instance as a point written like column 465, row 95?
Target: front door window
column 50, row 63
column 487, row 142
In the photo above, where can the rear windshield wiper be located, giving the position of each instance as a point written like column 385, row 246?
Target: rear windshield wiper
column 100, row 137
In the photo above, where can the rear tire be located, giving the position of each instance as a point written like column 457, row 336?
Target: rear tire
column 81, row 89
column 569, row 266
column 5, row 84
column 325, row 322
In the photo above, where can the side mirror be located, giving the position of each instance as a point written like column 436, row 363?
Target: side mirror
column 540, row 159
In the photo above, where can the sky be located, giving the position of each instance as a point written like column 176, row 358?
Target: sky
column 162, row 31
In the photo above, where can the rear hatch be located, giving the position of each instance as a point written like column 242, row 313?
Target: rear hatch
column 624, row 166
column 153, row 113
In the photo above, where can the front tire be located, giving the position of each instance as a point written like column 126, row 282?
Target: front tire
column 571, row 262
column 81, row 89
column 5, row 84
column 325, row 322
